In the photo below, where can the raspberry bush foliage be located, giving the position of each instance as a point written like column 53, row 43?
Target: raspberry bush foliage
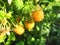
column 16, row 16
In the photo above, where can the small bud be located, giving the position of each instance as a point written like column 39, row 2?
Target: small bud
column 8, row 33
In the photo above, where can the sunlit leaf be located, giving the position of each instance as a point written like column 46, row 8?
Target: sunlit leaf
column 18, row 3
column 2, row 39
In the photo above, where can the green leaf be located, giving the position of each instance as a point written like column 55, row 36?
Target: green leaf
column 38, row 28
column 44, row 1
column 43, row 40
column 32, row 39
column 9, row 15
column 1, row 14
column 28, row 6
column 37, row 42
column 18, row 4
column 8, row 42
column 2, row 39
column 12, row 36
column 20, row 43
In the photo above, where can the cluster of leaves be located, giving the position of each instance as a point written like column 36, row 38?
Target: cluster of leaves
column 46, row 32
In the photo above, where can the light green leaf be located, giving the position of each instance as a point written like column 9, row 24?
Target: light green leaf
column 18, row 3
column 2, row 39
